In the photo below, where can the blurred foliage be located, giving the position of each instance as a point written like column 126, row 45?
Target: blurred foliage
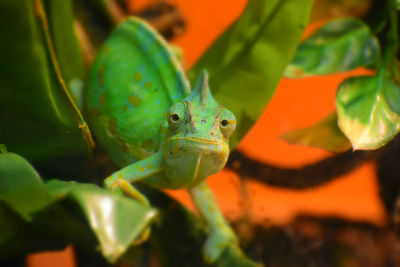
column 247, row 61
column 37, row 120
column 338, row 46
column 37, row 216
column 368, row 106
column 325, row 133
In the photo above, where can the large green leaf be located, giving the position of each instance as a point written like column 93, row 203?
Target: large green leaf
column 368, row 110
column 324, row 134
column 117, row 221
column 37, row 119
column 338, row 46
column 63, row 212
column 247, row 61
column 20, row 186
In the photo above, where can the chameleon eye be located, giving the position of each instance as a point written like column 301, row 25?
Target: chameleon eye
column 176, row 114
column 175, row 117
column 227, row 123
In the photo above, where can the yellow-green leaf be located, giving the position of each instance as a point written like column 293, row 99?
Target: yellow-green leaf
column 368, row 110
column 324, row 134
column 247, row 61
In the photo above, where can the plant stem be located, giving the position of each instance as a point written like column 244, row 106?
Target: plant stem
column 75, row 110
column 389, row 55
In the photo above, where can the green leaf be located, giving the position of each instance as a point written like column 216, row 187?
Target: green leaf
column 3, row 148
column 60, row 212
column 117, row 221
column 324, row 134
column 247, row 61
column 338, row 46
column 368, row 110
column 36, row 118
column 20, row 185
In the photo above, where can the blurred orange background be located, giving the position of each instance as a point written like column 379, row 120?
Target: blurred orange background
column 296, row 104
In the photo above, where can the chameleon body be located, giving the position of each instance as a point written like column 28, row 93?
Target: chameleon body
column 143, row 112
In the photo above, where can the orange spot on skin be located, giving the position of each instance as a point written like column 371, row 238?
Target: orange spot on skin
column 137, row 76
column 124, row 108
column 101, row 74
column 102, row 99
column 113, row 126
column 148, row 167
column 140, row 168
column 147, row 85
column 134, row 100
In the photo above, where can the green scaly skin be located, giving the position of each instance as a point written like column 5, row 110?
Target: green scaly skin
column 143, row 113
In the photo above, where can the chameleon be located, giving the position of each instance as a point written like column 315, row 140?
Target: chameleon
column 160, row 132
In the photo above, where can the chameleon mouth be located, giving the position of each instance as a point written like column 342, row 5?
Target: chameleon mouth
column 197, row 140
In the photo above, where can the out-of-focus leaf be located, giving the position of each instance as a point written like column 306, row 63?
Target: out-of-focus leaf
column 22, row 193
column 338, row 46
column 59, row 213
column 20, row 185
column 324, row 134
column 247, row 61
column 36, row 118
column 3, row 148
column 368, row 110
column 177, row 226
column 61, row 20
column 117, row 221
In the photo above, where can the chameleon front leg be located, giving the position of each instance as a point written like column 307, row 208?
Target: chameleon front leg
column 221, row 235
column 120, row 182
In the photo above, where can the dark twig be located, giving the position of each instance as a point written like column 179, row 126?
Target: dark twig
column 303, row 177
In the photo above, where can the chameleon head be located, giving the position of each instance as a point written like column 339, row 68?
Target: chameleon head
column 197, row 143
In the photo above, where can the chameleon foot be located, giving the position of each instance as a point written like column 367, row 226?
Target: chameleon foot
column 122, row 187
column 119, row 186
column 218, row 240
